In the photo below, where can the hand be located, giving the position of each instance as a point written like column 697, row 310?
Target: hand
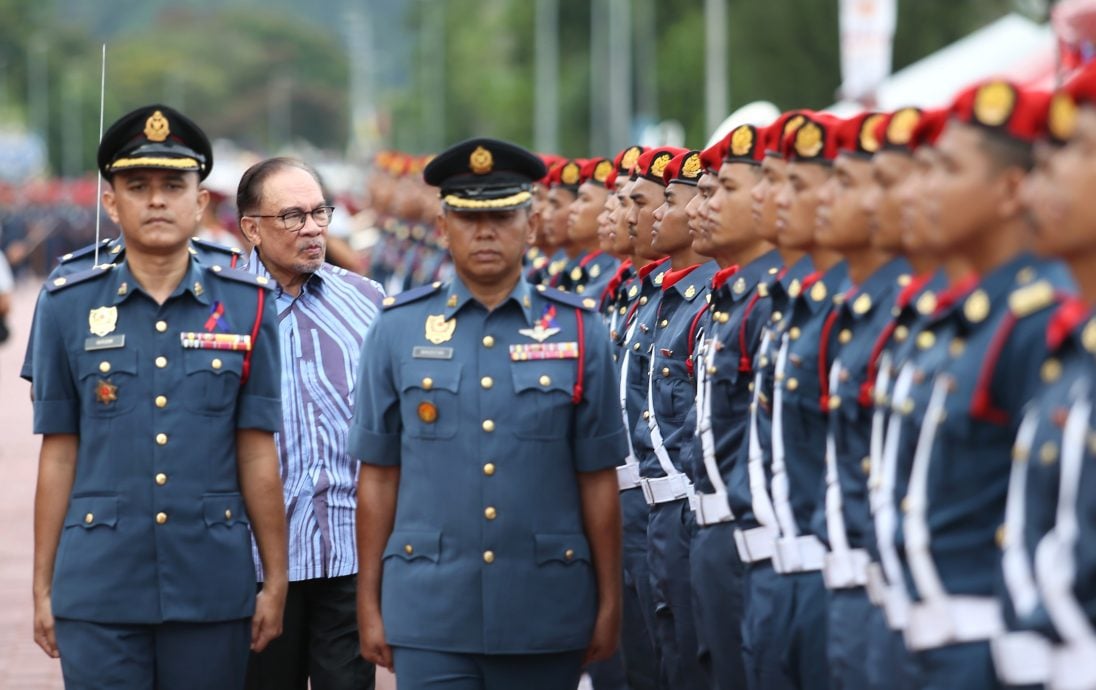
column 606, row 635
column 266, row 624
column 43, row 626
column 371, row 633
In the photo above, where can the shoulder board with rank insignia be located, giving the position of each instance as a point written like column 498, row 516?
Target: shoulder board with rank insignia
column 84, row 251
column 587, row 303
column 205, row 248
column 1031, row 298
column 241, row 276
column 409, row 296
column 63, row 282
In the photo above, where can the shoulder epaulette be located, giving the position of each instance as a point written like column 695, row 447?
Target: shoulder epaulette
column 63, row 282
column 241, row 276
column 215, row 247
column 409, row 296
column 1031, row 298
column 571, row 300
column 84, row 251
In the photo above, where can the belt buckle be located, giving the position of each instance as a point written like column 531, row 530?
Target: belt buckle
column 648, row 494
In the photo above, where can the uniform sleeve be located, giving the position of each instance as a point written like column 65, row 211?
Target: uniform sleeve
column 376, row 428
column 56, row 400
column 27, row 371
column 260, row 404
column 599, row 432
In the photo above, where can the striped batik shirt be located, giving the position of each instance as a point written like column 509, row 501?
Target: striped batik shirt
column 321, row 332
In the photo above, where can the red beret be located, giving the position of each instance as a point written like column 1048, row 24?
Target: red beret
column 597, row 171
column 781, row 127
column 566, row 173
column 652, row 163
column 626, row 159
column 814, row 141
column 745, row 144
column 856, row 136
column 929, row 127
column 1002, row 106
column 684, row 167
column 712, row 157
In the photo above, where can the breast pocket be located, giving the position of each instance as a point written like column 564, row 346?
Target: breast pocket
column 430, row 399
column 544, row 391
column 108, row 382
column 674, row 394
column 212, row 380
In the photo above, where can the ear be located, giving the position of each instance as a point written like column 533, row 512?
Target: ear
column 1011, row 182
column 203, row 201
column 441, row 221
column 534, row 221
column 110, row 203
column 250, row 228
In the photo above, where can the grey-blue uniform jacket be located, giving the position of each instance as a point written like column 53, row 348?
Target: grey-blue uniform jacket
column 490, row 415
column 156, row 528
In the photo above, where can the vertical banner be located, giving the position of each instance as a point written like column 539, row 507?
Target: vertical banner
column 867, row 37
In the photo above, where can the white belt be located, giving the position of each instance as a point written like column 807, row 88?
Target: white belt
column 877, row 584
column 712, row 509
column 896, row 607
column 952, row 620
column 803, row 554
column 755, row 544
column 845, row 569
column 666, row 489
column 1073, row 667
column 1021, row 658
column 628, row 476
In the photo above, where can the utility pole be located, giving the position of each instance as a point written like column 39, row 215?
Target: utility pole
column 546, row 77
column 715, row 63
column 646, row 61
column 599, row 77
column 72, row 129
column 38, row 90
column 620, row 75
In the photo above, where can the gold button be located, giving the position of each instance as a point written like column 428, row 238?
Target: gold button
column 488, row 341
column 643, row 300
column 1048, row 453
column 905, row 504
column 161, row 439
column 408, row 549
column 89, row 518
column 901, row 333
column 793, row 333
column 646, row 414
column 844, row 336
column 216, row 363
column 488, row 556
column 956, row 347
column 663, row 323
column 1050, row 372
column 161, row 401
column 777, row 316
column 487, row 382
column 489, row 469
column 665, row 372
column 999, row 537
column 865, row 465
column 636, row 347
column 569, row 554
column 161, row 518
column 712, row 370
column 488, row 425
column 427, row 383
column 104, row 367
column 228, row 514
column 490, row 513
column 792, row 384
column 545, row 380
column 835, row 402
column 926, row 339
column 161, row 326
column 161, row 362
column 161, row 479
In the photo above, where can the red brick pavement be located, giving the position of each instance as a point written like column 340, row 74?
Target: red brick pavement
column 22, row 664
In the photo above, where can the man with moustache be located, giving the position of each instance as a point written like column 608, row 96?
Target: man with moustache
column 842, row 520
column 799, row 421
column 729, row 333
column 324, row 313
column 959, row 476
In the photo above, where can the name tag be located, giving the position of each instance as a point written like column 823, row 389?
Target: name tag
column 109, row 342
column 215, row 341
column 423, row 352
column 538, row 351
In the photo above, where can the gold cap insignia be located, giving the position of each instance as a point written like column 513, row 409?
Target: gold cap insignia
column 808, row 140
column 868, row 141
column 438, row 329
column 901, row 126
column 630, row 157
column 102, row 321
column 1062, row 117
column 793, row 124
column 570, row 174
column 994, row 103
column 156, row 127
column 658, row 165
column 976, row 308
column 739, row 286
column 602, row 170
column 690, row 292
column 692, row 168
column 481, row 161
column 742, row 141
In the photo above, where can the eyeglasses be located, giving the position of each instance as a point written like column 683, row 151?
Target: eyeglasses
column 294, row 220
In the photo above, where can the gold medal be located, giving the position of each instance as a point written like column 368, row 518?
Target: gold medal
column 428, row 412
column 105, row 392
column 102, row 321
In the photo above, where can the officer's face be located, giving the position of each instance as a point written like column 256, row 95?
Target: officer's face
column 487, row 246
column 645, row 196
column 773, row 175
column 697, row 212
column 288, row 255
column 880, row 199
column 605, row 225
column 910, row 195
column 157, row 210
column 730, row 212
column 797, row 203
column 671, row 222
column 840, row 222
column 583, row 213
column 618, row 217
column 1065, row 207
column 555, row 216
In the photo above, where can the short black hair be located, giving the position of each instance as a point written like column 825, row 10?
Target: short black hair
column 1005, row 151
column 250, row 191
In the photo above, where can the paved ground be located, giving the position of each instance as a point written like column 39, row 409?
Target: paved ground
column 22, row 664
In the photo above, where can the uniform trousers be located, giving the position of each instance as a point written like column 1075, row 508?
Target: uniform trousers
column 804, row 640
column 425, row 669
column 769, row 599
column 164, row 656
column 968, row 666
column 717, row 575
column 669, row 531
column 608, row 674
column 319, row 641
column 637, row 636
column 890, row 664
column 847, row 638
